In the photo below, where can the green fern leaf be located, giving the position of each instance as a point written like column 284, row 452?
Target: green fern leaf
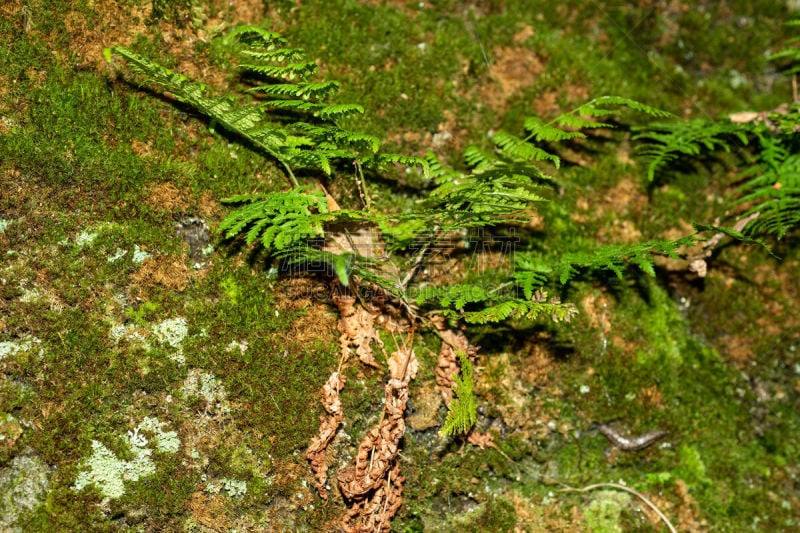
column 518, row 148
column 278, row 55
column 288, row 72
column 539, row 131
column 666, row 142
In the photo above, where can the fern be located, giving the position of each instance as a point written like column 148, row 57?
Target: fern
column 517, row 308
column 771, row 190
column 463, row 410
column 568, row 126
column 312, row 143
column 496, row 191
column 277, row 220
column 617, row 257
column 292, row 120
column 790, row 55
column 662, row 144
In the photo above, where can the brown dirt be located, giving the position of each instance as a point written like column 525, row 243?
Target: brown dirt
column 599, row 309
column 512, row 70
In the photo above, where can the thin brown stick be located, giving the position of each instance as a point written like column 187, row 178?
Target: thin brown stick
column 639, row 495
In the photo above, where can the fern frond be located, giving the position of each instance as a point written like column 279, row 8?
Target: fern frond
column 339, row 111
column 517, row 148
column 305, row 91
column 219, row 109
column 530, row 274
column 539, row 131
column 276, row 55
column 666, row 142
column 277, row 220
column 792, row 52
column 455, row 296
column 288, row 72
column 381, row 161
column 617, row 257
column 531, row 310
column 771, row 189
column 583, row 116
column 255, row 36
column 592, row 108
column 463, row 410
column 439, row 172
column 340, row 137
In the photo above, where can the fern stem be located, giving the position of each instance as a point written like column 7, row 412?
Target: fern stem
column 362, row 185
column 437, row 231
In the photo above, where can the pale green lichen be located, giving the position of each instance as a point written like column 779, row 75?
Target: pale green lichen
column 236, row 488
column 108, row 473
column 139, row 255
column 172, row 332
column 118, row 254
column 206, row 386
column 4, row 224
column 86, row 238
column 11, row 348
column 129, row 333
column 166, row 441
column 22, row 484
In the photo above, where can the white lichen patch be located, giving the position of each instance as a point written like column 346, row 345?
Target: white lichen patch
column 86, row 238
column 139, row 255
column 4, row 224
column 172, row 332
column 118, row 254
column 22, row 483
column 129, row 333
column 10, row 431
column 236, row 488
column 206, row 386
column 108, row 473
column 26, row 344
column 166, row 441
column 240, row 346
column 30, row 296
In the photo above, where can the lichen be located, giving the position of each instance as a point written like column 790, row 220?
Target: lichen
column 166, row 441
column 108, row 473
column 172, row 332
column 22, row 483
column 85, row 238
column 139, row 255
column 236, row 488
column 11, row 348
column 206, row 386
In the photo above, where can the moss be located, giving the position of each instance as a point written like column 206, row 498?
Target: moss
column 604, row 511
column 74, row 166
